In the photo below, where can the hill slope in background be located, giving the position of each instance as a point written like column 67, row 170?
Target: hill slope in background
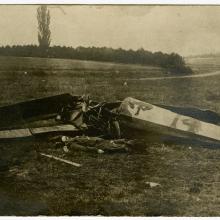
column 173, row 62
column 204, row 64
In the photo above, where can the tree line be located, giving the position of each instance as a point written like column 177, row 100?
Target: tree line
column 172, row 62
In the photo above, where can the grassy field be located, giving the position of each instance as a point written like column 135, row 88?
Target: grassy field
column 204, row 64
column 108, row 184
column 28, row 78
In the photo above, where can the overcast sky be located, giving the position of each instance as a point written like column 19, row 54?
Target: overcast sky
column 187, row 30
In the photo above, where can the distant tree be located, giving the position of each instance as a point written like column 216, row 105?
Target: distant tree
column 43, row 18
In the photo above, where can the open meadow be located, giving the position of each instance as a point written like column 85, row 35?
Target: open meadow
column 109, row 184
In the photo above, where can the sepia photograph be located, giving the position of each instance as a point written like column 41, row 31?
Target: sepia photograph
column 110, row 110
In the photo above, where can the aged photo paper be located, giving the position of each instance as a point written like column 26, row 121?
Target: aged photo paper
column 109, row 110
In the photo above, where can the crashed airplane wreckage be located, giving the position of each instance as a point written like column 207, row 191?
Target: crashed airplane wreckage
column 76, row 115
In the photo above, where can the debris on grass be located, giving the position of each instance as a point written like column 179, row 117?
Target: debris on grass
column 96, row 144
column 62, row 160
column 65, row 149
column 152, row 184
column 198, row 199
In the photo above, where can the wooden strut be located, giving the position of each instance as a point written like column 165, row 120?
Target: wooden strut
column 62, row 160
